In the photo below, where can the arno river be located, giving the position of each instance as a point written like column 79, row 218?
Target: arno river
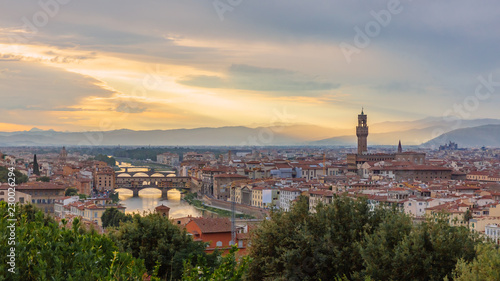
column 149, row 198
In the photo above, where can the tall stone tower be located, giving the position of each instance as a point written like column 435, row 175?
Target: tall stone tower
column 362, row 133
column 63, row 154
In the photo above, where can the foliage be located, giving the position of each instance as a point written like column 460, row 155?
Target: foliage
column 111, row 161
column 486, row 265
column 191, row 199
column 467, row 216
column 349, row 240
column 298, row 245
column 114, row 196
column 46, row 251
column 4, row 175
column 82, row 196
column 228, row 268
column 143, row 153
column 113, row 217
column 43, row 179
column 428, row 251
column 71, row 191
column 154, row 238
column 378, row 248
column 36, row 169
column 189, row 196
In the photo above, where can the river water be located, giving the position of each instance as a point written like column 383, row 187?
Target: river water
column 150, row 198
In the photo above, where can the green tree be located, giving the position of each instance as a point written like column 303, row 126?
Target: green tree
column 111, row 161
column 36, row 169
column 432, row 249
column 46, row 251
column 486, row 265
column 114, row 196
column 299, row 245
column 71, row 191
column 467, row 216
column 349, row 240
column 227, row 268
column 43, row 179
column 4, row 175
column 113, row 217
column 154, row 238
column 377, row 249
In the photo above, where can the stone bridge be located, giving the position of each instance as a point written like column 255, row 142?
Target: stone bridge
column 138, row 180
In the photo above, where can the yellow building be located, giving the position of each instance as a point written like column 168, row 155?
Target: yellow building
column 20, row 197
column 479, row 224
column 43, row 194
column 257, row 197
column 455, row 212
column 104, row 178
column 93, row 212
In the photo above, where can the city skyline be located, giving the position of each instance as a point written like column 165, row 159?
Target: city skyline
column 72, row 66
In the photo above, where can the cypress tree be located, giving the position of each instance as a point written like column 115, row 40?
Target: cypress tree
column 36, row 169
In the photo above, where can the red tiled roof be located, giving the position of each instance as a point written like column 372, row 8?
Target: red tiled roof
column 229, row 176
column 36, row 185
column 162, row 207
column 213, row 225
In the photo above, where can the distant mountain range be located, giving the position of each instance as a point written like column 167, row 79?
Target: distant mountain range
column 487, row 135
column 262, row 136
column 477, row 132
column 412, row 132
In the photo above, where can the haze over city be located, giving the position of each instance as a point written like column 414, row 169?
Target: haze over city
column 249, row 140
column 147, row 65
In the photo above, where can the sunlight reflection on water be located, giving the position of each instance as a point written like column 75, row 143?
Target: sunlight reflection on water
column 149, row 198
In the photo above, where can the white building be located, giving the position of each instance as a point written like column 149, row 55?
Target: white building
column 167, row 158
column 416, row 206
column 59, row 210
column 493, row 232
column 287, row 195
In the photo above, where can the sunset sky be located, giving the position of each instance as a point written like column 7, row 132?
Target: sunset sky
column 102, row 65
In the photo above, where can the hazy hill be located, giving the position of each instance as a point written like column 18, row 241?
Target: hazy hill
column 410, row 133
column 295, row 134
column 446, row 125
column 488, row 135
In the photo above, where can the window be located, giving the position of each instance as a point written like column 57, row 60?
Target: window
column 219, row 244
column 240, row 244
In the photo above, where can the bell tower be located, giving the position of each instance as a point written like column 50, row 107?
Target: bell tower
column 362, row 133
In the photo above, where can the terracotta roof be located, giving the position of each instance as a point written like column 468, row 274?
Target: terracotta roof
column 213, row 225
column 162, row 207
column 36, row 186
column 229, row 176
column 412, row 168
column 291, row 189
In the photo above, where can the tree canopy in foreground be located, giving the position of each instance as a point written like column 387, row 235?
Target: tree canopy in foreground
column 46, row 251
column 349, row 240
